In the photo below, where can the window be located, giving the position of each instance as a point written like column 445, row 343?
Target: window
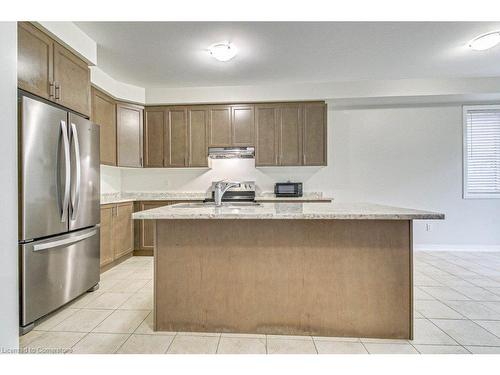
column 481, row 175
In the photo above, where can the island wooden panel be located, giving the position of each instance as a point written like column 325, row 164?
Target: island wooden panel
column 298, row 277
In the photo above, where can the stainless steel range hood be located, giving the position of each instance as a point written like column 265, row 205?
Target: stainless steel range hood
column 231, row 152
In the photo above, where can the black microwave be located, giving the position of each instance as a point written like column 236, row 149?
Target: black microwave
column 288, row 189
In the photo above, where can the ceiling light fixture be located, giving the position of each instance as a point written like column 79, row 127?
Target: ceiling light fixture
column 485, row 41
column 222, row 51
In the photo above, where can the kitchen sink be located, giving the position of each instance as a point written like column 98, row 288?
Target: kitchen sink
column 212, row 204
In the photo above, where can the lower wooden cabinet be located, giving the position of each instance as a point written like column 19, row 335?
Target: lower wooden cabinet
column 144, row 229
column 116, row 231
column 107, row 254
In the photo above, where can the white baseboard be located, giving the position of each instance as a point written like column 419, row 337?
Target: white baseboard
column 444, row 247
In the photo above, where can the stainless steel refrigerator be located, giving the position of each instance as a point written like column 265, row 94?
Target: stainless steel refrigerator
column 59, row 200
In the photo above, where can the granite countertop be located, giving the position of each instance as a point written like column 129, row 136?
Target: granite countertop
column 346, row 211
column 110, row 198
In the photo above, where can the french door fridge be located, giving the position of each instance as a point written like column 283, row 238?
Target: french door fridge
column 59, row 198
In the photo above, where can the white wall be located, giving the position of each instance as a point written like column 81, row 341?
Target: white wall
column 9, row 316
column 406, row 156
column 412, row 157
column 116, row 89
column 368, row 91
column 73, row 38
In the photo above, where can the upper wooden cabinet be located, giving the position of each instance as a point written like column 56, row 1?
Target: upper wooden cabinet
column 314, row 134
column 104, row 114
column 51, row 71
column 291, row 134
column 231, row 125
column 154, row 134
column 176, row 137
column 266, row 134
column 242, row 125
column 284, row 134
column 35, row 53
column 129, row 128
column 197, row 136
column 71, row 80
column 219, row 125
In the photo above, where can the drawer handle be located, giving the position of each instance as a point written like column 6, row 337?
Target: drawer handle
column 66, row 241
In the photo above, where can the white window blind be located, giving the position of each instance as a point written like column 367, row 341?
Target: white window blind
column 482, row 151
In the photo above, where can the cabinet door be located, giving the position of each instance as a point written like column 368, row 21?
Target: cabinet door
column 123, row 229
column 198, row 136
column 107, row 253
column 104, row 114
column 176, row 138
column 146, row 232
column 266, row 134
column 219, row 123
column 315, row 138
column 34, row 60
column 290, row 134
column 242, row 125
column 129, row 124
column 72, row 80
column 154, row 134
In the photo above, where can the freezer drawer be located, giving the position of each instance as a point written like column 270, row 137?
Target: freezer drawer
column 54, row 271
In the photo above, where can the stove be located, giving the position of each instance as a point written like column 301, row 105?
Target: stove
column 243, row 193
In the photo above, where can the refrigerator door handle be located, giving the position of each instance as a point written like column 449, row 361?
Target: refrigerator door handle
column 66, row 241
column 67, row 177
column 75, row 200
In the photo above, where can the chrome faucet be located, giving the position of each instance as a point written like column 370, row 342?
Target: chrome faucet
column 220, row 189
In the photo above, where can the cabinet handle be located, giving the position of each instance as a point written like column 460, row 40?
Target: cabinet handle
column 51, row 89
column 58, row 91
column 140, row 161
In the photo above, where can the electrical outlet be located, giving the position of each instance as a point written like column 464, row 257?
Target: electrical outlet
column 428, row 227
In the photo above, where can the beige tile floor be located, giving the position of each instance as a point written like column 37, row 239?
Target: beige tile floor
column 457, row 311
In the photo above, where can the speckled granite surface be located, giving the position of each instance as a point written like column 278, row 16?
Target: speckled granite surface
column 108, row 198
column 346, row 211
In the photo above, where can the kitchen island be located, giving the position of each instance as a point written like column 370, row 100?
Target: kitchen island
column 324, row 269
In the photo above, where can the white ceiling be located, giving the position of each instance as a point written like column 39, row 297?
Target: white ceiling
column 172, row 54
